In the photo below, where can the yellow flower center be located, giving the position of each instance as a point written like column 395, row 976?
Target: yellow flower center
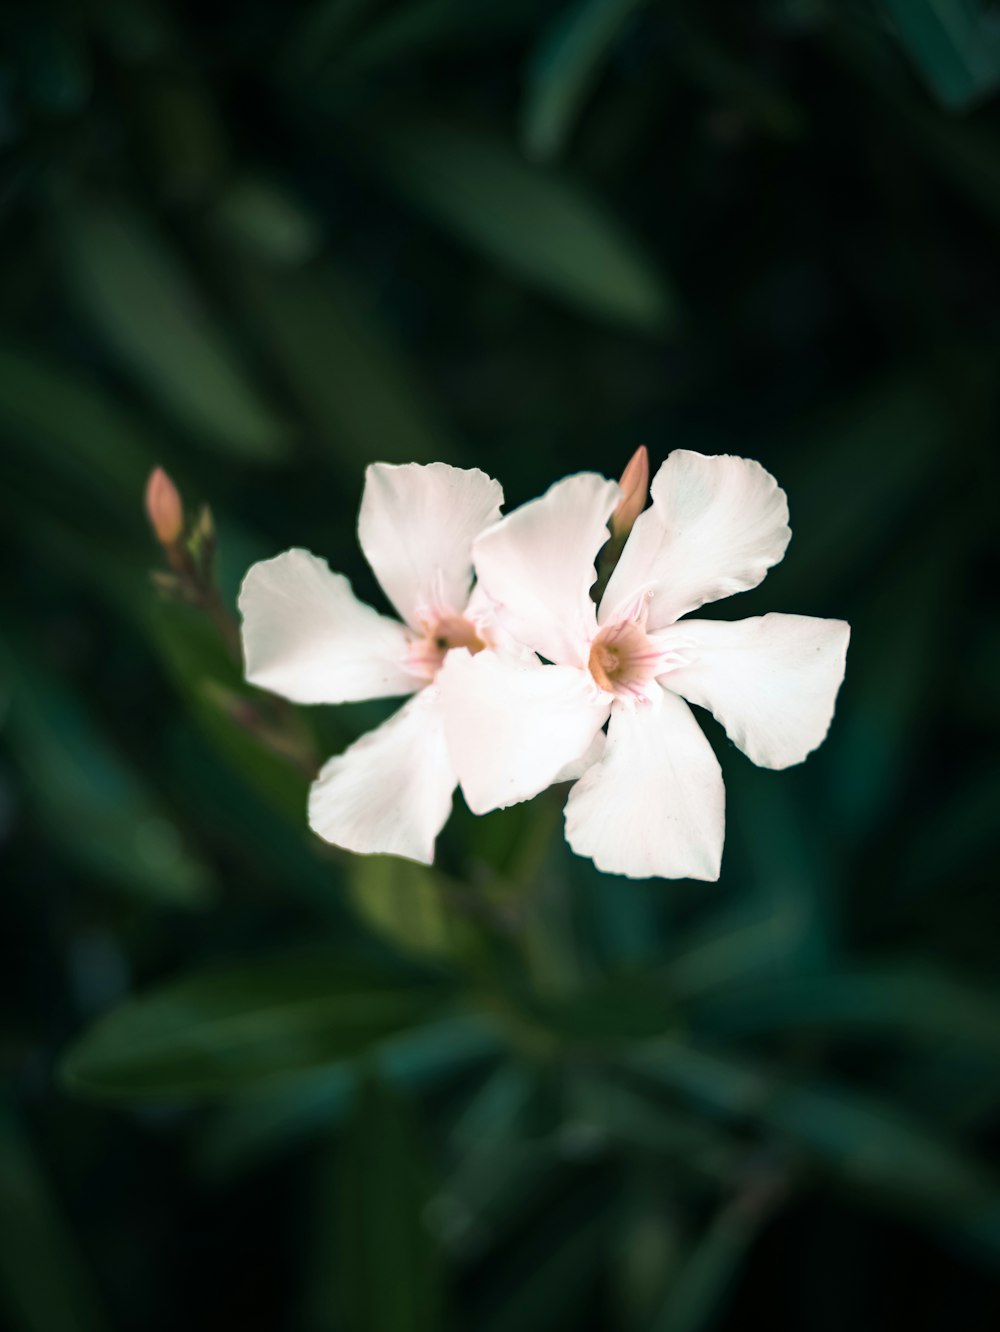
column 624, row 661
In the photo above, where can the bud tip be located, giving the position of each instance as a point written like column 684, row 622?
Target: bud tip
column 635, row 491
column 164, row 507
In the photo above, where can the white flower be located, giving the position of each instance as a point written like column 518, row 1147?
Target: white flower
column 307, row 637
column 650, row 800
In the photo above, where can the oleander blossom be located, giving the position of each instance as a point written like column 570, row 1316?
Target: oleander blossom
column 650, row 801
column 308, row 638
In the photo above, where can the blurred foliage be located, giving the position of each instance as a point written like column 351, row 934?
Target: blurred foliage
column 250, row 1083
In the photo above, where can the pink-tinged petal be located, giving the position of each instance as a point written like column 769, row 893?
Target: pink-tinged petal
column 771, row 681
column 537, row 565
column 416, row 528
column 390, row 793
column 716, row 525
column 655, row 805
column 512, row 728
column 307, row 637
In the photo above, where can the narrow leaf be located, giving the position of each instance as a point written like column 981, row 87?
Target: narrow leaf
column 541, row 228
column 564, row 69
column 954, row 43
column 145, row 304
column 389, row 1273
column 44, row 1283
column 226, row 1030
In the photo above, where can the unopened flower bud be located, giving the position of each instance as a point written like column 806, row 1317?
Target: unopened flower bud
column 164, row 507
column 635, row 491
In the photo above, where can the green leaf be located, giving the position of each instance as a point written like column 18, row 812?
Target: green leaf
column 625, row 1007
column 911, row 1004
column 387, row 1267
column 210, row 682
column 267, row 222
column 904, row 619
column 94, row 806
column 413, row 906
column 221, row 1031
column 549, row 1268
column 341, row 366
column 541, row 228
column 702, row 1283
column 263, row 1122
column 866, row 1143
column 82, row 435
column 859, row 476
column 496, row 1161
column 147, row 307
column 565, row 68
column 44, row 1284
column 954, row 43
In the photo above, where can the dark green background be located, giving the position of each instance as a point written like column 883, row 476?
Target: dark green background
column 265, row 244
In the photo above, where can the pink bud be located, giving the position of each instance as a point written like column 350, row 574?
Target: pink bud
column 635, row 492
column 164, row 507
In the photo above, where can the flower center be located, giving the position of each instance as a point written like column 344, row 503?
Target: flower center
column 441, row 634
column 625, row 661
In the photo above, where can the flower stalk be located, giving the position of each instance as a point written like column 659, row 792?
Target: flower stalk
column 189, row 547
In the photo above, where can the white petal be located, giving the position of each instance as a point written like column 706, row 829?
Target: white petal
column 482, row 611
column 537, row 564
column 716, row 525
column 511, row 728
column 771, row 681
column 306, row 636
column 575, row 769
column 391, row 791
column 416, row 528
column 655, row 805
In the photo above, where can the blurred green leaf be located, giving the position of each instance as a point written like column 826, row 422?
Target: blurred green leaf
column 319, row 32
column 341, row 367
column 954, row 43
column 794, row 870
column 966, row 153
column 551, row 1268
column 903, row 1004
column 862, row 1141
column 92, row 803
column 221, row 1031
column 413, row 906
column 44, row 1284
column 703, row 1281
column 186, row 140
column 962, row 836
column 496, row 1163
column 618, row 1008
column 82, row 435
column 540, row 227
column 402, row 30
column 258, row 214
column 142, row 300
column 742, row 86
column 229, row 712
column 906, row 619
column 55, row 64
column 260, row 1123
column 610, row 1112
column 647, row 1246
column 852, row 481
column 564, row 69
column 387, row 1269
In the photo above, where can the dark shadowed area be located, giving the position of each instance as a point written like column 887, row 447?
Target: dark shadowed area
column 247, row 1082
